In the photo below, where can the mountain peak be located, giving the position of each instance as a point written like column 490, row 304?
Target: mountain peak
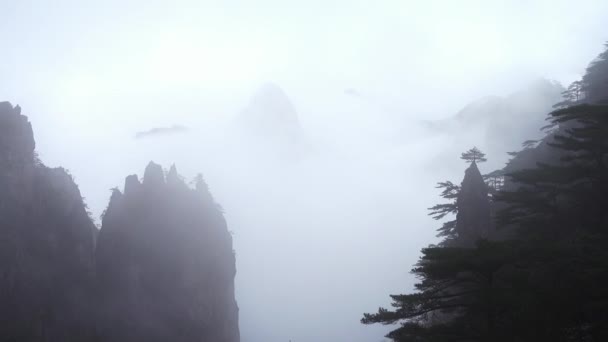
column 270, row 110
column 154, row 174
column 167, row 266
column 16, row 136
column 131, row 184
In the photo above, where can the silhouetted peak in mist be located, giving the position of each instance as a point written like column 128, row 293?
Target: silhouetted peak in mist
column 47, row 243
column 153, row 175
column 16, row 136
column 270, row 117
column 273, row 101
column 132, row 184
column 166, row 264
column 173, row 177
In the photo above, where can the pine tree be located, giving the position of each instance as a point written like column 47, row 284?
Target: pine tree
column 473, row 155
column 457, row 299
column 448, row 229
column 571, row 96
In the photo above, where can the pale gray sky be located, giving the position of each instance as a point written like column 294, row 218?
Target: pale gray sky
column 324, row 239
column 76, row 53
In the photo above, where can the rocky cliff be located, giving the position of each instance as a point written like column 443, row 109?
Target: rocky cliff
column 165, row 263
column 163, row 268
column 47, row 243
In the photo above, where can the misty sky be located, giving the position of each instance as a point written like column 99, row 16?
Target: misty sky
column 322, row 238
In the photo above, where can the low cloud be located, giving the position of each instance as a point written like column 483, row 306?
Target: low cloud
column 160, row 131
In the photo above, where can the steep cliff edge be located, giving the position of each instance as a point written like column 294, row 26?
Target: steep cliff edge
column 165, row 263
column 47, row 243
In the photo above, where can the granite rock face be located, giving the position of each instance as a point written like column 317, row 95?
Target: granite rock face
column 165, row 263
column 47, row 243
column 474, row 219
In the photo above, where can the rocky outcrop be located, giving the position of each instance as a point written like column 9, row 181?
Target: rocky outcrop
column 165, row 263
column 474, row 220
column 47, row 243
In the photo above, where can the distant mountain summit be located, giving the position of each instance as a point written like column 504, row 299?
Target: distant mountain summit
column 521, row 104
column 270, row 110
column 47, row 243
column 165, row 263
column 501, row 124
column 270, row 119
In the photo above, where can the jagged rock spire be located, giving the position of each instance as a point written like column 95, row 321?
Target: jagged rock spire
column 172, row 172
column 473, row 221
column 153, row 175
column 173, row 177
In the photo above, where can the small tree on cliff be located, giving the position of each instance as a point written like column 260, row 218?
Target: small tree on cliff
column 473, row 155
